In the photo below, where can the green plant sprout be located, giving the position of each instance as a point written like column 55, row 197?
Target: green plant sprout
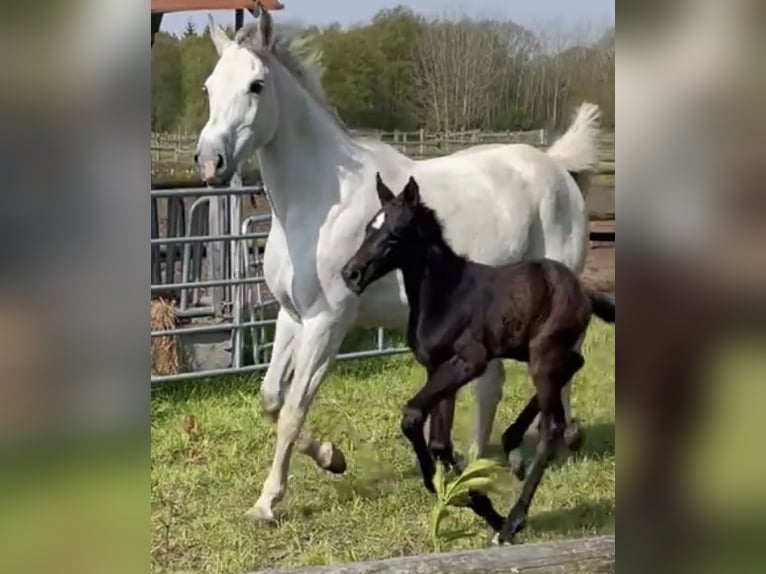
column 480, row 475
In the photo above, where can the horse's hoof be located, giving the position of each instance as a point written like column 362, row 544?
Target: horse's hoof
column 335, row 460
column 260, row 515
column 502, row 540
column 517, row 465
column 513, row 525
column 573, row 436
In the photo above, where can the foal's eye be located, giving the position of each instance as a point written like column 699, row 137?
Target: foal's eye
column 256, row 87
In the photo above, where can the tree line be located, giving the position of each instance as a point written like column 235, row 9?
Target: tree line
column 404, row 71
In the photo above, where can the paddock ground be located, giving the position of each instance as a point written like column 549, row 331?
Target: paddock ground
column 203, row 480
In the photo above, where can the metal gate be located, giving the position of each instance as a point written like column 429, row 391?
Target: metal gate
column 207, row 258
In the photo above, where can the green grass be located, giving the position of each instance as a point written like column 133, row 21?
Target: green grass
column 379, row 508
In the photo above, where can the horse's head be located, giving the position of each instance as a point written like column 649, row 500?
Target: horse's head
column 242, row 101
column 389, row 237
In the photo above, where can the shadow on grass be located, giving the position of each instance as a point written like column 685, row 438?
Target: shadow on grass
column 598, row 442
column 593, row 515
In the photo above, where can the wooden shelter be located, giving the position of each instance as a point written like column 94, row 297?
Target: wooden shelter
column 161, row 7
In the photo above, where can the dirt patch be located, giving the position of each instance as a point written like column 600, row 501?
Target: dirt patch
column 599, row 267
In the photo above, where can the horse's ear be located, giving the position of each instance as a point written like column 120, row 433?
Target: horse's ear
column 217, row 35
column 384, row 193
column 267, row 30
column 412, row 192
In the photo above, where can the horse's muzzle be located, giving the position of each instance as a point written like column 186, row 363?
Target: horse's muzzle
column 353, row 278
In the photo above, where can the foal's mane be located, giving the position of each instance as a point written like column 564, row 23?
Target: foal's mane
column 297, row 55
column 427, row 221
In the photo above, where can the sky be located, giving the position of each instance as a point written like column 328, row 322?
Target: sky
column 529, row 13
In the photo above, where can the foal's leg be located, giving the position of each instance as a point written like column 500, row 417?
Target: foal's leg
column 277, row 381
column 514, row 436
column 448, row 378
column 443, row 382
column 488, row 389
column 441, row 419
column 573, row 435
column 550, row 367
column 319, row 343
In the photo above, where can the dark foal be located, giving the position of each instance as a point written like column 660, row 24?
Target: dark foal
column 462, row 315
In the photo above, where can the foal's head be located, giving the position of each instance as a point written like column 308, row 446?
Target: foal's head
column 389, row 237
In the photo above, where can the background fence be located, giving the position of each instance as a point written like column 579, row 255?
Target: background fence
column 207, row 247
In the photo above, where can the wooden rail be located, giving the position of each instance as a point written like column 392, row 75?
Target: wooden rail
column 591, row 555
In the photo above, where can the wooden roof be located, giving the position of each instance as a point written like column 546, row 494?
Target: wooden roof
column 165, row 6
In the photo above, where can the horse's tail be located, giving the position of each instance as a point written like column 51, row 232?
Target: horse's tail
column 577, row 149
column 602, row 305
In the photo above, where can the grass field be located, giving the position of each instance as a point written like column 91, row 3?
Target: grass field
column 202, row 485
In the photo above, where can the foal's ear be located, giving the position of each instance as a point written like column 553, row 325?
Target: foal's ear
column 412, row 192
column 384, row 193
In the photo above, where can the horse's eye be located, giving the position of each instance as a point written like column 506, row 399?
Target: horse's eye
column 256, row 87
column 204, row 88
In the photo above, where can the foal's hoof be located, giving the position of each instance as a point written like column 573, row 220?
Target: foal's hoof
column 510, row 529
column 517, row 464
column 261, row 515
column 573, row 436
column 333, row 459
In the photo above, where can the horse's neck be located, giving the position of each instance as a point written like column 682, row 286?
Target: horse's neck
column 430, row 274
column 303, row 162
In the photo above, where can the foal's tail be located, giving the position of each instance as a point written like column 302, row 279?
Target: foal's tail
column 577, row 149
column 602, row 305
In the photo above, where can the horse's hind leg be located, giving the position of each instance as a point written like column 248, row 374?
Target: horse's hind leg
column 513, row 436
column 550, row 367
column 573, row 435
column 488, row 389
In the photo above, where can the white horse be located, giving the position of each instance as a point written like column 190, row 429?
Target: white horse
column 499, row 204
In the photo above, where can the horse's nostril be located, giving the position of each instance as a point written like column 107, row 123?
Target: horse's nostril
column 355, row 275
column 219, row 162
column 196, row 158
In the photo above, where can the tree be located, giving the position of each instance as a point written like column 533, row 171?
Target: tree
column 402, row 71
column 190, row 30
column 198, row 57
column 167, row 93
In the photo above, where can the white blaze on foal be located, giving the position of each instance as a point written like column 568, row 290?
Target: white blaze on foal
column 498, row 204
column 377, row 223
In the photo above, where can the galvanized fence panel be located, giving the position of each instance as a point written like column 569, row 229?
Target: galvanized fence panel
column 209, row 259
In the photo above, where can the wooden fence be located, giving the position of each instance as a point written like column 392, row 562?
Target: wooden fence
column 178, row 148
column 591, row 555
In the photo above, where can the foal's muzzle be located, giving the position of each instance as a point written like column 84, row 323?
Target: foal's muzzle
column 353, row 277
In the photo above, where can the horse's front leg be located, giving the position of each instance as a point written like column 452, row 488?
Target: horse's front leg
column 442, row 450
column 277, row 381
column 443, row 383
column 441, row 419
column 281, row 366
column 319, row 342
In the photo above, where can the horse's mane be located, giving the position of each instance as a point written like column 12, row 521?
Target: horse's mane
column 428, row 222
column 297, row 55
